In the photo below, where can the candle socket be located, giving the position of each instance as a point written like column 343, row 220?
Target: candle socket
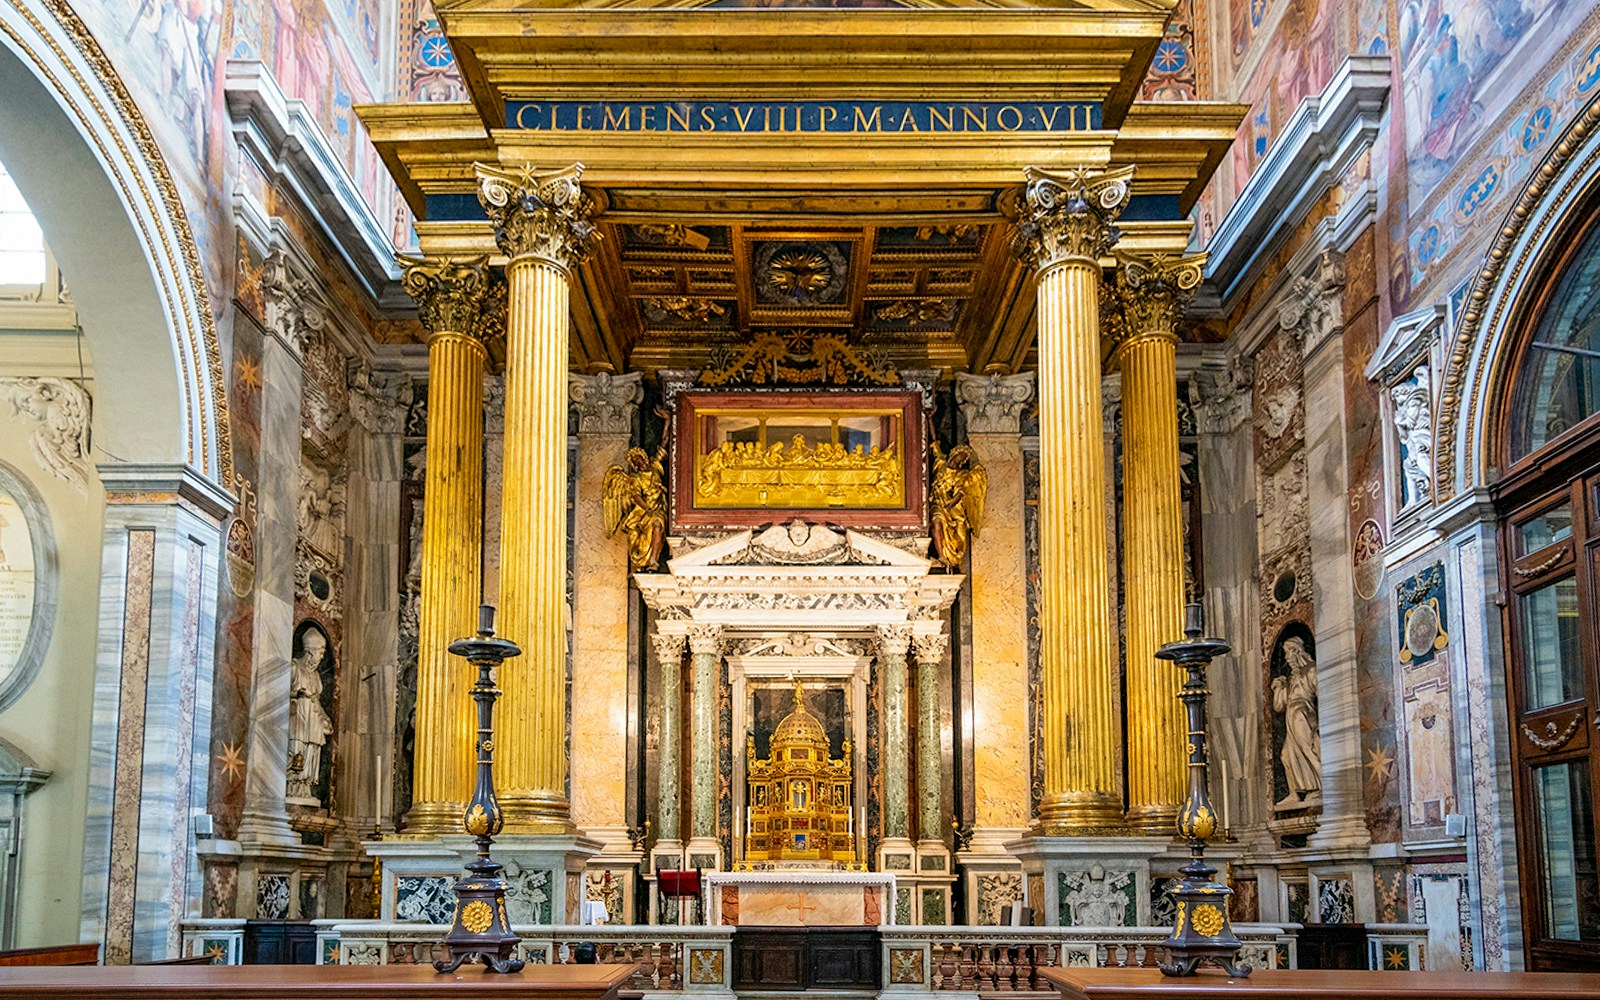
column 481, row 932
column 1202, row 931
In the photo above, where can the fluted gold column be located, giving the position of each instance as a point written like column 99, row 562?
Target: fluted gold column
column 540, row 222
column 1064, row 226
column 450, row 297
column 1149, row 293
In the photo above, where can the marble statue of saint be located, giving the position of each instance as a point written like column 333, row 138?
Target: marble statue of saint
column 960, row 486
column 634, row 497
column 1296, row 697
column 309, row 725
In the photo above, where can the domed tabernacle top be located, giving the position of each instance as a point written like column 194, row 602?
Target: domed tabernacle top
column 799, row 727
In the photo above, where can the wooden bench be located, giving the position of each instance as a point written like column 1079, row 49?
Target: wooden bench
column 60, row 954
column 1322, row 984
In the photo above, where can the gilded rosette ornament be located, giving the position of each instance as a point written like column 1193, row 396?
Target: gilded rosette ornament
column 539, row 215
column 1151, row 291
column 1069, row 215
column 450, row 293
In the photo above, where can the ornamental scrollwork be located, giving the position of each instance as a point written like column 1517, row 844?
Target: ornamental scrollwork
column 1069, row 215
column 539, row 215
column 450, row 293
column 1151, row 290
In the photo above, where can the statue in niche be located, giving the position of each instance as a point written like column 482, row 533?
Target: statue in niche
column 309, row 723
column 960, row 486
column 1413, row 422
column 1294, row 694
column 634, row 497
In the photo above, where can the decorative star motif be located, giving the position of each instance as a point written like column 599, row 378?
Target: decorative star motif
column 217, row 954
column 247, row 373
column 1380, row 763
column 230, row 761
column 1395, row 958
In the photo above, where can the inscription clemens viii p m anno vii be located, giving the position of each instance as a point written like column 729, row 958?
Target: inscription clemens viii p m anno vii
column 803, row 116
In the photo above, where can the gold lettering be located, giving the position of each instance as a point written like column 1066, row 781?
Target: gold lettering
column 829, row 113
column 865, row 124
column 646, row 114
column 1000, row 118
column 970, row 119
column 581, row 109
column 783, row 115
column 611, row 121
column 709, row 122
column 674, row 114
column 522, row 112
column 908, row 122
column 744, row 119
column 944, row 119
column 1049, row 116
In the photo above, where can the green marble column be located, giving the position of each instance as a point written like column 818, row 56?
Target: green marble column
column 893, row 643
column 930, row 788
column 669, row 653
column 705, row 647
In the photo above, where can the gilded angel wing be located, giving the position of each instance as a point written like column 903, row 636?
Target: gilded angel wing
column 975, row 493
column 614, row 491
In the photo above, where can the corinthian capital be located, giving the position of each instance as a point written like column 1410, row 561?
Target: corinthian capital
column 893, row 640
column 450, row 293
column 1151, row 290
column 705, row 639
column 605, row 403
column 539, row 215
column 993, row 403
column 669, row 646
column 930, row 648
column 1069, row 215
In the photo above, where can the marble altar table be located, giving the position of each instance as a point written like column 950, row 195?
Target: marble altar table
column 297, row 982
column 1320, row 984
column 799, row 898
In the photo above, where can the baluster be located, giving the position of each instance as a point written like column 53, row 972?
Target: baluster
column 983, row 966
column 1004, row 968
column 949, row 962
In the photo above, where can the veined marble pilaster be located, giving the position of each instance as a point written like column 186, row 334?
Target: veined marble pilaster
column 1314, row 311
column 992, row 406
column 605, row 407
column 705, row 648
column 265, row 818
column 893, row 642
column 150, row 753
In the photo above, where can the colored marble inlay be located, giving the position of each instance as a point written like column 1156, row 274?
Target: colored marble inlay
column 129, row 767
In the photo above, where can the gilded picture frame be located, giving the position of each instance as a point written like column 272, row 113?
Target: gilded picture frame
column 848, row 458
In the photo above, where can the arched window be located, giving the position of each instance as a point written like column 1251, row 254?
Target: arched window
column 1558, row 376
column 1549, row 502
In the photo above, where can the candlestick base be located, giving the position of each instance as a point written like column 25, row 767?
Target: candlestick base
column 481, row 932
column 1202, row 931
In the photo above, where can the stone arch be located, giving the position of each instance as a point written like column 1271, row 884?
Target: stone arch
column 1479, row 353
column 87, row 163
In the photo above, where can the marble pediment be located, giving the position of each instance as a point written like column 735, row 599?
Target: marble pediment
column 792, row 572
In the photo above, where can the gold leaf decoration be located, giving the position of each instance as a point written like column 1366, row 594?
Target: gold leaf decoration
column 476, row 916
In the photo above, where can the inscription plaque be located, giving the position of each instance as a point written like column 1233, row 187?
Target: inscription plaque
column 17, row 584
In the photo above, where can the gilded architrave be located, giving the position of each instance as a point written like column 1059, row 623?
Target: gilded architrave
column 1069, row 215
column 539, row 215
column 800, row 359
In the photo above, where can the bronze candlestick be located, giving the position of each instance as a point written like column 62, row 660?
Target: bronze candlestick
column 481, row 931
column 1202, row 932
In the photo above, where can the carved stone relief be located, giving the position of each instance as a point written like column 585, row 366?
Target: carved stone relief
column 1413, row 426
column 60, row 442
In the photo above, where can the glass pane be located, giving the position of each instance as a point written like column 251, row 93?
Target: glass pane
column 1559, row 384
column 1572, row 882
column 1546, row 529
column 1555, row 663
